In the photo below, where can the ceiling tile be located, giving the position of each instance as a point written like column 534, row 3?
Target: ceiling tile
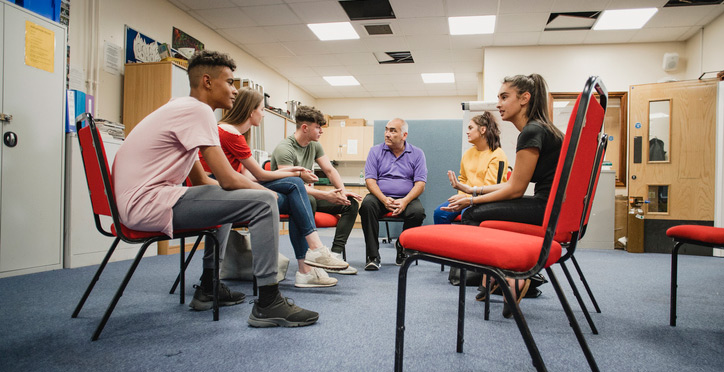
column 651, row 35
column 432, row 56
column 283, row 62
column 524, row 6
column 320, row 12
column 386, row 44
column 225, row 17
column 351, row 59
column 303, row 82
column 179, row 4
column 302, row 48
column 331, row 70
column 386, row 93
column 299, row 71
column 411, row 85
column 425, row 42
column 319, row 60
column 678, row 16
column 290, row 32
column 635, row 4
column 271, row 15
column 256, row 2
column 268, row 50
column 692, row 31
column 378, row 86
column 467, row 66
column 609, row 36
column 578, row 5
column 345, row 46
column 521, row 22
column 358, row 70
column 562, row 37
column 470, row 41
column 421, row 26
column 466, row 77
column 473, row 54
column 459, row 8
column 417, row 8
column 517, row 38
column 250, row 35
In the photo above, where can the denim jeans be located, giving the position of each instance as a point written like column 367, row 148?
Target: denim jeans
column 444, row 217
column 293, row 201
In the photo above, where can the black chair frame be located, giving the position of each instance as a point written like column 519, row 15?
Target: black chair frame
column 592, row 84
column 119, row 236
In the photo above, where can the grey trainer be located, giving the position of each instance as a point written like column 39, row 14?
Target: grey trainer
column 204, row 300
column 282, row 312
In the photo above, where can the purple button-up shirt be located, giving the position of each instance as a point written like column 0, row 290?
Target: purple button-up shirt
column 396, row 176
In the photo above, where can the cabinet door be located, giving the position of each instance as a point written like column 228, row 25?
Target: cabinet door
column 31, row 186
column 352, row 143
column 330, row 142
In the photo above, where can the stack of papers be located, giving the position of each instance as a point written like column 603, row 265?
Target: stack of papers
column 115, row 130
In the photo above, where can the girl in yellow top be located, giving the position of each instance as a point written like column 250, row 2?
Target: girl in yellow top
column 478, row 166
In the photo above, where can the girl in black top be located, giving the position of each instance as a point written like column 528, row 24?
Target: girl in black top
column 522, row 100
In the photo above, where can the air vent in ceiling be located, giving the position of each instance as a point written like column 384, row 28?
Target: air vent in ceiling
column 571, row 21
column 359, row 10
column 671, row 3
column 378, row 29
column 394, row 57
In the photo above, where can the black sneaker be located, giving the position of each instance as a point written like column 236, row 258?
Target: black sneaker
column 204, row 300
column 400, row 256
column 282, row 312
column 373, row 264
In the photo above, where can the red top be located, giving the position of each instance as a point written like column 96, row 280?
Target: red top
column 234, row 146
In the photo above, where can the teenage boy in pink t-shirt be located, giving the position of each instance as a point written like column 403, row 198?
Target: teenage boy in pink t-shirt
column 158, row 155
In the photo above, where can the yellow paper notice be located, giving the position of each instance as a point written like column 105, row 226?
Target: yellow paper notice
column 39, row 47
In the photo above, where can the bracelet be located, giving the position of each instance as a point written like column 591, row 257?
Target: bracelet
column 471, row 201
column 300, row 174
column 475, row 191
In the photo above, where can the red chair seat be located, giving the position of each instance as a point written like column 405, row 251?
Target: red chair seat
column 322, row 219
column 705, row 234
column 136, row 234
column 524, row 228
column 479, row 245
column 284, row 217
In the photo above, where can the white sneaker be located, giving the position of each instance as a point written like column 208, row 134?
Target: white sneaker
column 322, row 258
column 314, row 278
column 348, row 271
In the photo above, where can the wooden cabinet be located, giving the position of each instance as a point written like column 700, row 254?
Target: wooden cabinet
column 347, row 143
column 148, row 86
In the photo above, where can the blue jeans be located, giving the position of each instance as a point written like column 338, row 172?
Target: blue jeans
column 443, row 217
column 293, row 200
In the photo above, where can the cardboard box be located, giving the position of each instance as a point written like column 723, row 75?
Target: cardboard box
column 347, row 122
column 339, row 117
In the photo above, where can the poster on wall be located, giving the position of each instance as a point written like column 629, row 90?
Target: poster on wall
column 140, row 48
column 181, row 40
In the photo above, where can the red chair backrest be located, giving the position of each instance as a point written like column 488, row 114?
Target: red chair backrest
column 575, row 170
column 96, row 168
column 267, row 165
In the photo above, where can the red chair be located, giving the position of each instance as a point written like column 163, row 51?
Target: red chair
column 103, row 203
column 568, row 239
column 500, row 253
column 707, row 236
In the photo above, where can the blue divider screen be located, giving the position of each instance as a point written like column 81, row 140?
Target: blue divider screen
column 440, row 140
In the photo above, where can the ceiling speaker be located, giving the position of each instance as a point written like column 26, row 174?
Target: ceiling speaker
column 671, row 61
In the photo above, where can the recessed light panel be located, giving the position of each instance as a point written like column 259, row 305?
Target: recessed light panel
column 334, row 31
column 443, row 77
column 474, row 25
column 624, row 19
column 339, row 81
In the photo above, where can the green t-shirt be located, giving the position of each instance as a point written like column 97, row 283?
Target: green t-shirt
column 289, row 152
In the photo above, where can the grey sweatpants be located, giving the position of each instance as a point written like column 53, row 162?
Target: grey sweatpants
column 208, row 205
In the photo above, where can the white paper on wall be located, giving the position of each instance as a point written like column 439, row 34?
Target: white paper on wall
column 352, row 147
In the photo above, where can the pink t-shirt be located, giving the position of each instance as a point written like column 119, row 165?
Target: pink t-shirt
column 156, row 158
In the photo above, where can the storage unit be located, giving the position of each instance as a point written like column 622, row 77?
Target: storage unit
column 31, row 157
column 347, row 143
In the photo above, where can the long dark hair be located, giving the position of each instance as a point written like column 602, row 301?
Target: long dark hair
column 538, row 104
column 492, row 133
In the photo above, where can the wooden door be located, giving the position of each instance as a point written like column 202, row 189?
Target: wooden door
column 687, row 165
column 330, row 142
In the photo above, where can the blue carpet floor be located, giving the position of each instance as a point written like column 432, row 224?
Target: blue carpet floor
column 150, row 330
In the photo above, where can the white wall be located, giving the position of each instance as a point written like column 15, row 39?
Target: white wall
column 704, row 50
column 391, row 107
column 567, row 67
column 156, row 19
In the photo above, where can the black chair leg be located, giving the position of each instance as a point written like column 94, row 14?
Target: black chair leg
column 674, row 284
column 215, row 242
column 486, row 312
column 461, row 312
column 182, row 272
column 521, row 323
column 95, row 278
column 572, row 321
column 185, row 265
column 585, row 283
column 120, row 290
column 400, row 330
column 387, row 229
column 578, row 298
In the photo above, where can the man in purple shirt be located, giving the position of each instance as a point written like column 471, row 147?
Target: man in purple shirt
column 395, row 174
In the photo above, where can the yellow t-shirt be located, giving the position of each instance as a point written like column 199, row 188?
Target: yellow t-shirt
column 480, row 168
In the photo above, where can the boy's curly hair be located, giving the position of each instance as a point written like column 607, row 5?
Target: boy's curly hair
column 206, row 62
column 309, row 115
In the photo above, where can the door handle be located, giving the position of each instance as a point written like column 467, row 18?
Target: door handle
column 10, row 139
column 5, row 117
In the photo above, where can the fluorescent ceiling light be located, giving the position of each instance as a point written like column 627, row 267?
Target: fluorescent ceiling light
column 339, row 81
column 334, row 31
column 624, row 19
column 474, row 25
column 444, row 77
